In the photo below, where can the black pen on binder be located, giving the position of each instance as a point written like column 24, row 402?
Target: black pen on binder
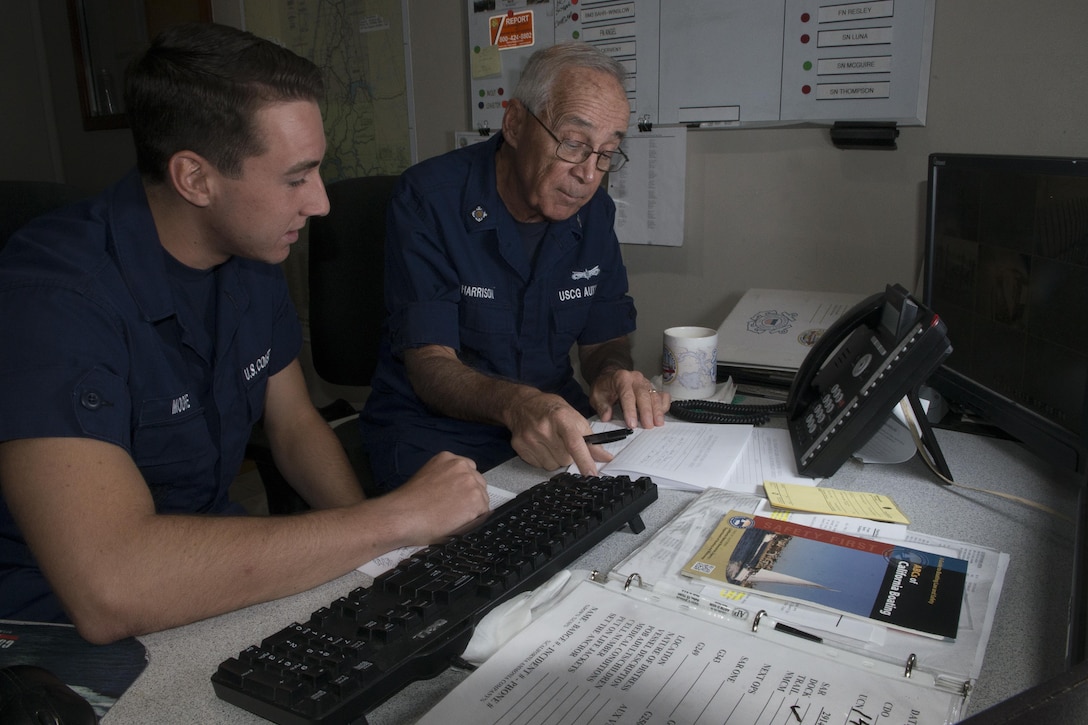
column 785, row 628
column 780, row 627
column 608, row 436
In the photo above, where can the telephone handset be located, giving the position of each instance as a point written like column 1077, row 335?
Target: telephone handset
column 877, row 353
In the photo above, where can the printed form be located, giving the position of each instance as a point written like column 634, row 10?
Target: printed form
column 602, row 655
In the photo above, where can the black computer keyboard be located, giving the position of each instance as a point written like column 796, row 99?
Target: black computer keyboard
column 416, row 618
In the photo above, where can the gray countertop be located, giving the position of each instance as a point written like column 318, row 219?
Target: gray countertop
column 1026, row 647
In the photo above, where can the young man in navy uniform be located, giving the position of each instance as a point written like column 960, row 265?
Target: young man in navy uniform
column 145, row 331
column 500, row 258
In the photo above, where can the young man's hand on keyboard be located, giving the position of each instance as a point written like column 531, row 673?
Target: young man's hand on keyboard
column 443, row 496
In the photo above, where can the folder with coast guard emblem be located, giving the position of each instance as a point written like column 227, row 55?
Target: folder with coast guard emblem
column 769, row 332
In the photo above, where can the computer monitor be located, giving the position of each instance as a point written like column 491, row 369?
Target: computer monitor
column 1006, row 267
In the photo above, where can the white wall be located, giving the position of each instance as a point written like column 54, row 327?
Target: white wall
column 783, row 207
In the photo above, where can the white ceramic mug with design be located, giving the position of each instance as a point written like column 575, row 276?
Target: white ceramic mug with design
column 689, row 362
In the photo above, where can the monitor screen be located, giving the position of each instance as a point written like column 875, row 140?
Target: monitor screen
column 1006, row 268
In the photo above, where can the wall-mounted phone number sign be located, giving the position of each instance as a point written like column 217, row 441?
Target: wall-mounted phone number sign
column 512, row 29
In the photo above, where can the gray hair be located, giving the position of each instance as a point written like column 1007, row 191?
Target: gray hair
column 534, row 88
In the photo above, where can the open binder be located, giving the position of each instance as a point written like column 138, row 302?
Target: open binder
column 643, row 644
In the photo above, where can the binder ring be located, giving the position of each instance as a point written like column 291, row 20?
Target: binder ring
column 627, row 584
column 759, row 616
column 911, row 661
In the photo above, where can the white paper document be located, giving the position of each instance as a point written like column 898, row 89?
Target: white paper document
column 649, row 191
column 767, row 455
column 686, row 456
column 603, row 655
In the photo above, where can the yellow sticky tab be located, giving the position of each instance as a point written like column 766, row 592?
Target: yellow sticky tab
column 835, row 501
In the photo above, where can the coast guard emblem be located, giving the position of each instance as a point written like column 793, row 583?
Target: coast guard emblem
column 808, row 338
column 479, row 214
column 771, row 321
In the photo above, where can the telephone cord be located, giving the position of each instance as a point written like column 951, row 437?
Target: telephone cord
column 714, row 411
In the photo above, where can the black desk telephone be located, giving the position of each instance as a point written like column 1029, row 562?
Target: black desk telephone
column 877, row 353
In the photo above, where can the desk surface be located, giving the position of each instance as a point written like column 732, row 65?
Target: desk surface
column 1027, row 645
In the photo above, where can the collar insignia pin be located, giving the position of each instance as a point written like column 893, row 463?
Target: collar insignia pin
column 479, row 214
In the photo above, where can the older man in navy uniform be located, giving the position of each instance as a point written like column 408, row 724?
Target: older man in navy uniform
column 500, row 258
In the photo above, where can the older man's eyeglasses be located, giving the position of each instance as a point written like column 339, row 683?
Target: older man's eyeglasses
column 576, row 152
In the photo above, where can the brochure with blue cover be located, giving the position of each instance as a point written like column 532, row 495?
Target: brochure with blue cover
column 895, row 585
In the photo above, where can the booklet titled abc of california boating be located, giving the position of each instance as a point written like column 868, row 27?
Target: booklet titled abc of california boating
column 895, row 585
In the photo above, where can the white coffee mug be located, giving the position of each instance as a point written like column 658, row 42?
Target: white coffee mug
column 689, row 362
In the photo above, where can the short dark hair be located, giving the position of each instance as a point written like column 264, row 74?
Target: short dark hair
column 199, row 86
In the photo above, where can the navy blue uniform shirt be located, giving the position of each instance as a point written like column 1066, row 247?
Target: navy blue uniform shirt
column 93, row 345
column 458, row 275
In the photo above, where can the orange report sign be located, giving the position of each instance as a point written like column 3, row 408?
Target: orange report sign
column 512, row 30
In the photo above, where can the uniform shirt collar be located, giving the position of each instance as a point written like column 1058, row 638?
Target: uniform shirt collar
column 482, row 207
column 139, row 252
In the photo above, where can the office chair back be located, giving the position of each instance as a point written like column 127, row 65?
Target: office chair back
column 346, row 279
column 347, row 308
column 21, row 201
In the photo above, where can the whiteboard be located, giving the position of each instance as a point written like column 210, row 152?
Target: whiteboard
column 725, row 63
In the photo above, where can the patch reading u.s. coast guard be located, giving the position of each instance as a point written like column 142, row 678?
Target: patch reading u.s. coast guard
column 772, row 322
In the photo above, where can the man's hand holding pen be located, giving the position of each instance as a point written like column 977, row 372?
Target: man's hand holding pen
column 548, row 433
